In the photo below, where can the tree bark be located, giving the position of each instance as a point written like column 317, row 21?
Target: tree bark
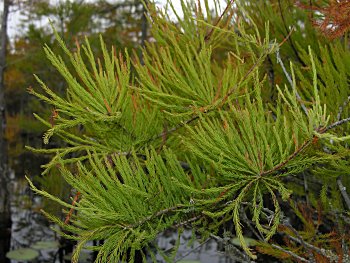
column 5, row 212
column 3, row 49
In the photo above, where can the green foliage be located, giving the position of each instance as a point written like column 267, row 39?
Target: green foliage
column 74, row 20
column 134, row 218
column 54, row 184
column 188, row 138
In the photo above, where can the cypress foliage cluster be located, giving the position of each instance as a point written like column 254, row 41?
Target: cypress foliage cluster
column 231, row 116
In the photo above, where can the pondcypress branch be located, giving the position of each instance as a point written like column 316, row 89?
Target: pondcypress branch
column 209, row 108
column 237, row 154
column 303, row 146
column 279, row 166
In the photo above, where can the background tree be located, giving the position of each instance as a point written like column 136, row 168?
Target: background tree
column 5, row 213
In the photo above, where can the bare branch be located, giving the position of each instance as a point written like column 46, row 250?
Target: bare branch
column 326, row 253
column 290, row 253
column 289, row 78
column 343, row 192
column 335, row 124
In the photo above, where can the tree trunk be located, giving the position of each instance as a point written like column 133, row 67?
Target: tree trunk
column 5, row 212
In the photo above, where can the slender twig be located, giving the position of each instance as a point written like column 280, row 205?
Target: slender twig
column 248, row 222
column 290, row 157
column 192, row 250
column 302, row 242
column 262, row 209
column 182, row 124
column 208, row 36
column 290, row 253
column 343, row 192
column 226, row 241
column 304, row 146
column 289, row 78
column 185, row 223
column 70, row 213
column 245, row 77
column 335, row 124
column 157, row 214
column 195, row 117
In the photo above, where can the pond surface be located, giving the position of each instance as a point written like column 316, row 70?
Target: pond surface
column 29, row 227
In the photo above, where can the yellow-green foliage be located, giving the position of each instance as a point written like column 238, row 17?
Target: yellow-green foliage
column 190, row 138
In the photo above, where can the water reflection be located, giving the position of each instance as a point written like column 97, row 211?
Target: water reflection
column 30, row 226
column 207, row 252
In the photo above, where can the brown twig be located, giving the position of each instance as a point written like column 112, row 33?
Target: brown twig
column 208, row 36
column 69, row 215
column 287, row 37
column 305, row 145
column 182, row 124
column 191, row 251
column 290, row 157
column 245, row 77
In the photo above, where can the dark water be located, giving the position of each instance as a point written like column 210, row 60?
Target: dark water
column 29, row 226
